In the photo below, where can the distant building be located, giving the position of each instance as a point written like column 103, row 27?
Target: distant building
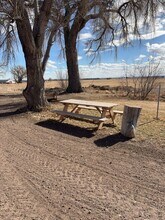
column 10, row 81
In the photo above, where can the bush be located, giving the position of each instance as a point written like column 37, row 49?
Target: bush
column 18, row 72
column 143, row 79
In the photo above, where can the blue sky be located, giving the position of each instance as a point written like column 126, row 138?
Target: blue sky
column 108, row 65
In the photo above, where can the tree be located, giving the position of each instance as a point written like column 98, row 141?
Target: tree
column 111, row 20
column 2, row 69
column 29, row 21
column 75, row 15
column 18, row 73
column 35, row 24
column 143, row 78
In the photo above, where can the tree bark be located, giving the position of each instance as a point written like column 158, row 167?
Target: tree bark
column 34, row 92
column 74, row 84
column 32, row 39
column 75, row 20
column 129, row 121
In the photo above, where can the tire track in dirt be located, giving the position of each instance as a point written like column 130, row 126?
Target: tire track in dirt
column 32, row 144
column 86, row 185
column 115, row 160
column 16, row 200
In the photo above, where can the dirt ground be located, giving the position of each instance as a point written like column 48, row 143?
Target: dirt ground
column 53, row 171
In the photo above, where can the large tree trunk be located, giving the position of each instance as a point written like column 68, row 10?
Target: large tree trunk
column 74, row 84
column 34, row 92
column 32, row 40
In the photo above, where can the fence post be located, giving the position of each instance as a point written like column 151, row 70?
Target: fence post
column 158, row 101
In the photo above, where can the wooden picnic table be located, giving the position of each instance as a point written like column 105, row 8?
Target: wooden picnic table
column 72, row 108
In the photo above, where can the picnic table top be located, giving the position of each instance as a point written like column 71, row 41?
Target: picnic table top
column 89, row 103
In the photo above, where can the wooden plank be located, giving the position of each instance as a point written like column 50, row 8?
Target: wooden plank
column 79, row 107
column 80, row 116
column 89, row 103
column 86, row 107
column 117, row 112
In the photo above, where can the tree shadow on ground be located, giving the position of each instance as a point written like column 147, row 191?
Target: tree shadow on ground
column 11, row 96
column 11, row 104
column 66, row 128
column 13, row 113
column 8, row 114
column 111, row 140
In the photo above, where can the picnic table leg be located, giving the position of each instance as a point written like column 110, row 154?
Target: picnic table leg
column 100, row 125
column 103, row 114
column 111, row 116
column 77, row 109
column 65, row 109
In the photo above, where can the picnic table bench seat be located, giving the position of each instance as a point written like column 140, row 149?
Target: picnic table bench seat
column 80, row 116
column 116, row 112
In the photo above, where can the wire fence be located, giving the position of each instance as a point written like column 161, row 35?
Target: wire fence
column 159, row 93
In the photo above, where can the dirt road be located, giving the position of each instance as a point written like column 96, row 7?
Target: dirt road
column 52, row 171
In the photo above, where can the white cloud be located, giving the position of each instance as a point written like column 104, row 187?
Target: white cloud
column 51, row 64
column 88, row 52
column 132, row 37
column 80, row 57
column 85, row 36
column 158, row 49
column 103, row 70
column 50, row 69
column 152, row 30
column 51, row 61
column 159, row 53
column 152, row 35
column 146, row 32
column 141, row 57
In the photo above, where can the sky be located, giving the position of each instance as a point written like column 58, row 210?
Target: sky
column 109, row 64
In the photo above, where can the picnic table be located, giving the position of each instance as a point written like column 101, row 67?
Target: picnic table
column 72, row 108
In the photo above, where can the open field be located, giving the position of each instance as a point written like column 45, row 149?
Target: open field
column 149, row 108
column 17, row 88
column 53, row 171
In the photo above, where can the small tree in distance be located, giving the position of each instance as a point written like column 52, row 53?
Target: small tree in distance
column 1, row 69
column 142, row 79
column 62, row 79
column 18, row 72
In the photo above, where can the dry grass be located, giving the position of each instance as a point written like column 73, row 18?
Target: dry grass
column 17, row 88
column 148, row 126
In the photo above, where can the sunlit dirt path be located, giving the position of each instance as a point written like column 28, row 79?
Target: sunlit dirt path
column 53, row 171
